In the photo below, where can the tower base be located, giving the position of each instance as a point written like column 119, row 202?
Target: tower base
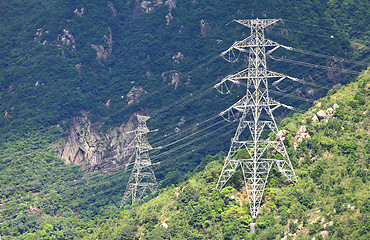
column 253, row 227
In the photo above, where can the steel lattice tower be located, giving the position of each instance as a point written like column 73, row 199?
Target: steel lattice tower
column 142, row 179
column 254, row 112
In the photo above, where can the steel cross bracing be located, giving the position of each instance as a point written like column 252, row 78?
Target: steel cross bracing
column 254, row 113
column 142, row 179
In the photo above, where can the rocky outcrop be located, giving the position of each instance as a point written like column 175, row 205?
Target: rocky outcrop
column 114, row 11
column 39, row 36
column 101, row 52
column 281, row 134
column 79, row 13
column 134, row 94
column 178, row 57
column 86, row 146
column 172, row 77
column 324, row 115
column 66, row 40
column 204, row 27
column 149, row 6
column 78, row 66
column 169, row 18
column 301, row 134
column 171, row 4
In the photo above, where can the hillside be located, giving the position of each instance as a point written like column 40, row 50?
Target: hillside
column 330, row 199
column 74, row 74
column 111, row 59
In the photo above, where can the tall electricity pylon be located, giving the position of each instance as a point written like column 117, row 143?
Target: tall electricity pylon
column 254, row 112
column 142, row 179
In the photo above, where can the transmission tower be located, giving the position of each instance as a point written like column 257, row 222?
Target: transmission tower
column 254, row 112
column 142, row 179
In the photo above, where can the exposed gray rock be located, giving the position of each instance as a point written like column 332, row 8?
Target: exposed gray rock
column 172, row 76
column 321, row 114
column 335, row 106
column 329, row 111
column 79, row 66
column 204, row 27
column 328, row 224
column 165, row 225
column 171, row 4
column 324, row 234
column 107, row 104
column 114, row 11
column 178, row 57
column 39, row 36
column 281, row 134
column 66, row 40
column 169, row 18
column 134, row 94
column 86, row 146
column 7, row 115
column 147, row 6
column 315, row 118
column 182, row 121
column 79, row 13
column 301, row 134
column 101, row 52
column 324, row 116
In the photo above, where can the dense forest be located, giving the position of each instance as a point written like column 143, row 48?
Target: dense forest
column 111, row 59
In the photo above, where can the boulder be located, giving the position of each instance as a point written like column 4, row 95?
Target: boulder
column 315, row 118
column 335, row 106
column 302, row 129
column 324, row 234
column 321, row 115
column 281, row 134
column 165, row 225
column 329, row 111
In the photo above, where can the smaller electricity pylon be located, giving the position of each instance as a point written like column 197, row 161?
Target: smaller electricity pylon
column 142, row 180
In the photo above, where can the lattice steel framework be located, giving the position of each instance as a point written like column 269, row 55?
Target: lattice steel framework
column 254, row 112
column 142, row 179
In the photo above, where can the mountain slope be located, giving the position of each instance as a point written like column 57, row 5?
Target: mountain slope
column 111, row 59
column 330, row 199
column 61, row 59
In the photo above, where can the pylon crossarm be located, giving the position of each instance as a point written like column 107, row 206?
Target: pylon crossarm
column 284, row 77
column 262, row 23
column 232, row 113
column 274, row 108
column 287, row 106
column 287, row 170
column 273, row 50
column 231, row 55
column 224, row 87
column 262, row 42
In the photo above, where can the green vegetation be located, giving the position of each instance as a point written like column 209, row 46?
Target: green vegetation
column 44, row 82
column 330, row 197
